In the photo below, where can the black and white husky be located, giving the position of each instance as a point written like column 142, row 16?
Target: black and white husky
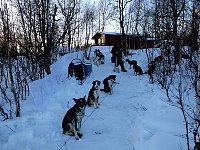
column 93, row 96
column 131, row 62
column 108, row 83
column 72, row 121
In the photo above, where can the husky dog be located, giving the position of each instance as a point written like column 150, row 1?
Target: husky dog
column 93, row 96
column 138, row 70
column 99, row 57
column 72, row 121
column 151, row 67
column 158, row 58
column 70, row 69
column 108, row 83
column 131, row 62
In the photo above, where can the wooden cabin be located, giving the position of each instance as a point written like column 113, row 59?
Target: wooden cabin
column 112, row 38
column 149, row 42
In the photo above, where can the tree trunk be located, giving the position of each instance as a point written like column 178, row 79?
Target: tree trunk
column 13, row 90
column 198, row 84
column 194, row 29
column 175, row 32
column 121, row 22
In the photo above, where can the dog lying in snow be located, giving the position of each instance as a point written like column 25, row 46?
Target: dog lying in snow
column 72, row 121
column 93, row 96
column 108, row 83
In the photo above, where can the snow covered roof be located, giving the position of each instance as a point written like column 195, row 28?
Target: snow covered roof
column 111, row 33
column 151, row 39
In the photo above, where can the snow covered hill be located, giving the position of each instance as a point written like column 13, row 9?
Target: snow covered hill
column 134, row 117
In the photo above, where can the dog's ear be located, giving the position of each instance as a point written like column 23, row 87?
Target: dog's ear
column 112, row 77
column 76, row 100
column 84, row 97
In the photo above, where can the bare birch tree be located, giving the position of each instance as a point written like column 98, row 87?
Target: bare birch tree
column 120, row 14
column 69, row 10
column 88, row 21
column 104, row 14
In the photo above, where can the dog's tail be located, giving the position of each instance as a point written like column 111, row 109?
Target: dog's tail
column 145, row 72
column 105, row 90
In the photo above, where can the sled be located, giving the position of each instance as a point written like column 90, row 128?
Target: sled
column 79, row 69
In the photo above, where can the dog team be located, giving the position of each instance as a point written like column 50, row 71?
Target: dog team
column 71, row 123
column 72, row 120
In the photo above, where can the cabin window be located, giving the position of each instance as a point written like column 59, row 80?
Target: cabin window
column 102, row 41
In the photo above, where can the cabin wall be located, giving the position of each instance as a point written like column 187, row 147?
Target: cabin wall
column 133, row 42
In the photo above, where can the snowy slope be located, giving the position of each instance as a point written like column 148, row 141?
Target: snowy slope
column 134, row 117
